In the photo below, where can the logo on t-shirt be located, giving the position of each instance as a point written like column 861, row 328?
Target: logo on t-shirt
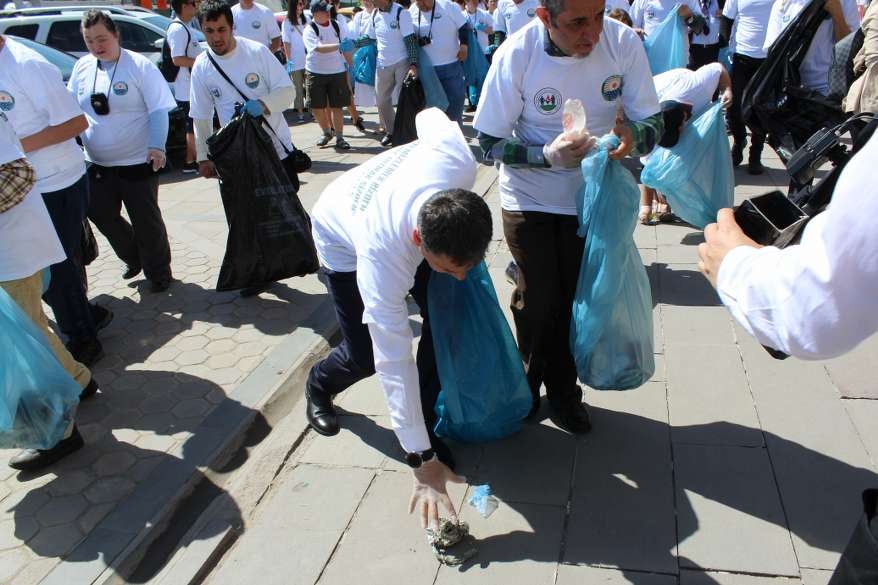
column 256, row 24
column 548, row 100
column 531, row 12
column 120, row 88
column 252, row 80
column 215, row 92
column 612, row 86
column 7, row 102
column 394, row 25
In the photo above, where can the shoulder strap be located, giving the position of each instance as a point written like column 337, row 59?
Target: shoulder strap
column 188, row 35
column 334, row 26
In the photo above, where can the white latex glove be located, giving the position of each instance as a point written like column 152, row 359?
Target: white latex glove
column 430, row 491
column 568, row 149
column 156, row 158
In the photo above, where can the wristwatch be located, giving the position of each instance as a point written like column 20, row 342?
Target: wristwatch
column 415, row 459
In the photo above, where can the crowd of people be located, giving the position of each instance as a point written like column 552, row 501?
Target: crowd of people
column 383, row 228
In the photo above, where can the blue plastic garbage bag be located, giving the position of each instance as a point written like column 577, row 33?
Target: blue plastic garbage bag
column 484, row 394
column 666, row 47
column 433, row 90
column 475, row 67
column 365, row 62
column 37, row 396
column 611, row 332
column 725, row 58
column 696, row 174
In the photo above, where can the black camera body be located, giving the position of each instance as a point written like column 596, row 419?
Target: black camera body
column 424, row 41
column 100, row 103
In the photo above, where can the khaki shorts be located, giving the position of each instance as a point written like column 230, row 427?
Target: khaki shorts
column 327, row 88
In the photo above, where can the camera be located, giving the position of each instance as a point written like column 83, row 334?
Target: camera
column 424, row 41
column 100, row 104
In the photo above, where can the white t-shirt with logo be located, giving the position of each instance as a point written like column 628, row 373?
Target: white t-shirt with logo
column 523, row 97
column 814, row 70
column 388, row 29
column 33, row 96
column 182, row 43
column 649, row 14
column 364, row 221
column 28, row 241
column 441, row 25
column 292, row 35
column 695, row 88
column 256, row 23
column 324, row 63
column 751, row 23
column 482, row 17
column 712, row 18
column 137, row 90
column 511, row 16
column 254, row 71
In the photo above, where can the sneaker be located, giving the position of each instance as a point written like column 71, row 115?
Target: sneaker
column 190, row 167
column 32, row 459
column 324, row 140
column 387, row 140
column 738, row 153
column 342, row 144
column 512, row 273
column 86, row 351
column 101, row 316
column 360, row 126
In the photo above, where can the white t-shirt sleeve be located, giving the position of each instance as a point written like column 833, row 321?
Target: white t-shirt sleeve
column 156, row 93
column 312, row 41
column 458, row 17
column 277, row 74
column 178, row 39
column 406, row 26
column 637, row 13
column 499, row 19
column 731, row 9
column 60, row 104
column 503, row 90
column 814, row 300
column 200, row 100
column 639, row 97
column 270, row 24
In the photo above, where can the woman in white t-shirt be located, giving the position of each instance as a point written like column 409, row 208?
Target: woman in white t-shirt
column 126, row 101
column 294, row 49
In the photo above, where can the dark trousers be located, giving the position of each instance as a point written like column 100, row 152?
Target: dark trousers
column 701, row 55
column 66, row 294
column 858, row 564
column 352, row 359
column 743, row 69
column 549, row 254
column 144, row 241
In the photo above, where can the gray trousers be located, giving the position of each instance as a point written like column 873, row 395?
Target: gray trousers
column 388, row 79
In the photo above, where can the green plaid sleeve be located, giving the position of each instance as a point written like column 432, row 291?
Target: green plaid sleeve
column 511, row 152
column 646, row 134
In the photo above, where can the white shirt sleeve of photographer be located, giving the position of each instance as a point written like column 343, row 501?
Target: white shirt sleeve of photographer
column 815, row 300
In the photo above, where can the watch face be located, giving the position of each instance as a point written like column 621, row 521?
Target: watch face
column 413, row 460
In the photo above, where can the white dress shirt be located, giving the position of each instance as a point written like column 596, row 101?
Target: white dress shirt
column 815, row 300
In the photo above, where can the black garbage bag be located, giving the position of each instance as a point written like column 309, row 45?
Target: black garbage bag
column 858, row 564
column 411, row 101
column 775, row 100
column 269, row 230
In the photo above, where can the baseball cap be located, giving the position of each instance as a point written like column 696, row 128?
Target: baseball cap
column 319, row 6
column 674, row 114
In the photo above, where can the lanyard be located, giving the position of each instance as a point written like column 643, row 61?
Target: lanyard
column 432, row 14
column 98, row 66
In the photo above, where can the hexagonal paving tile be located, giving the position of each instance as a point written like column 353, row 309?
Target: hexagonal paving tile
column 109, row 489
column 129, row 381
column 61, row 510
column 193, row 342
column 165, row 354
column 220, row 333
column 155, row 443
column 55, row 541
column 190, row 408
column 73, row 483
column 191, row 358
column 220, row 346
column 35, row 571
column 157, row 403
column 225, row 360
column 245, row 335
column 15, row 531
column 115, row 463
column 93, row 516
column 249, row 349
column 25, row 501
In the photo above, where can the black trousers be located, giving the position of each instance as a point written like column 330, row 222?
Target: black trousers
column 743, row 69
column 67, row 290
column 701, row 55
column 858, row 564
column 549, row 254
column 352, row 360
column 144, row 241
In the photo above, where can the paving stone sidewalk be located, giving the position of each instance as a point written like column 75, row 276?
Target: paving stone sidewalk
column 727, row 468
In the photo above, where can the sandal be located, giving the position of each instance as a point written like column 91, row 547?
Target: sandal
column 342, row 144
column 663, row 213
column 645, row 211
column 324, row 140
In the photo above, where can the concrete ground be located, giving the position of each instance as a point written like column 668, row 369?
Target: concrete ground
column 728, row 467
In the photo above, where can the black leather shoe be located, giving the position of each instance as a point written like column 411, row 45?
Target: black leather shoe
column 387, row 140
column 32, row 459
column 101, row 316
column 754, row 166
column 131, row 271
column 321, row 414
column 737, row 153
column 86, row 351
column 574, row 419
column 90, row 390
column 160, row 285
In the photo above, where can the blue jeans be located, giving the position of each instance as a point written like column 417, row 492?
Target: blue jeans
column 451, row 78
column 66, row 294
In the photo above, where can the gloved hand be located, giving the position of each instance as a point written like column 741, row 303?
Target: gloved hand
column 568, row 149
column 480, row 26
column 491, row 49
column 254, row 108
column 289, row 67
column 346, row 46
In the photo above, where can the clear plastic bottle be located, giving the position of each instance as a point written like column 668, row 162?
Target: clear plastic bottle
column 573, row 117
